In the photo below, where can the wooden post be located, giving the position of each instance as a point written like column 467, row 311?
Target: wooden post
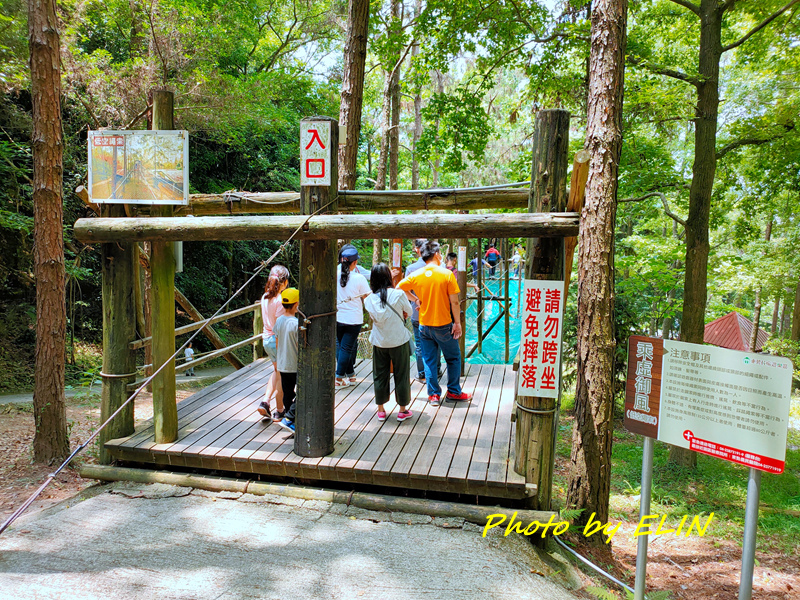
column 508, row 304
column 162, row 303
column 316, row 363
column 461, row 276
column 119, row 329
column 479, row 318
column 545, row 260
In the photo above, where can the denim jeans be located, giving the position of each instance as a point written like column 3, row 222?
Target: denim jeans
column 418, row 350
column 346, row 349
column 435, row 340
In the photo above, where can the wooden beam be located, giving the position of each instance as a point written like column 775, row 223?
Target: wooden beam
column 242, row 203
column 212, row 335
column 194, row 326
column 325, row 227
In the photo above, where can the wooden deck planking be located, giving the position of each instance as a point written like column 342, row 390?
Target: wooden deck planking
column 372, row 427
column 483, row 443
column 212, row 422
column 462, row 455
column 387, row 431
column 345, row 399
column 457, row 447
column 499, row 457
column 452, row 434
column 203, row 396
column 430, row 446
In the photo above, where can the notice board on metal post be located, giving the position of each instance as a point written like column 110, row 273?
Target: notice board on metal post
column 724, row 403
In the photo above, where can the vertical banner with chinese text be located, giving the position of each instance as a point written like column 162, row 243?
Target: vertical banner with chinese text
column 540, row 342
column 315, row 153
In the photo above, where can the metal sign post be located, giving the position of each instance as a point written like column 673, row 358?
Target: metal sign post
column 644, row 510
column 707, row 399
column 750, row 528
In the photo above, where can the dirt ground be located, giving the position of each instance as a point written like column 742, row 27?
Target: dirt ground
column 686, row 567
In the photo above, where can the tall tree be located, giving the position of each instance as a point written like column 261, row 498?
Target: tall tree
column 355, row 56
column 50, row 441
column 594, row 398
column 706, row 82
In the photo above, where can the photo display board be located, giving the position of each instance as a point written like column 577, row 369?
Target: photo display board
column 540, row 341
column 724, row 403
column 139, row 167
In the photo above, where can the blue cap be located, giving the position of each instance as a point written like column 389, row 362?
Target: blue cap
column 350, row 254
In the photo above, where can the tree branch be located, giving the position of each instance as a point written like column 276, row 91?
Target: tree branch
column 749, row 142
column 690, row 5
column 137, row 117
column 659, row 70
column 760, row 26
column 667, row 209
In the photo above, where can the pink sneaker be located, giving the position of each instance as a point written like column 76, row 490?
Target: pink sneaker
column 403, row 415
column 381, row 416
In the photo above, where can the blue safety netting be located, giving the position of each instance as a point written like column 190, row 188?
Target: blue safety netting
column 494, row 345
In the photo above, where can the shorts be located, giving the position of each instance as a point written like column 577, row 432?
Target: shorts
column 271, row 348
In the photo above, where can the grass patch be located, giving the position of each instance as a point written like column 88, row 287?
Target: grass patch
column 716, row 486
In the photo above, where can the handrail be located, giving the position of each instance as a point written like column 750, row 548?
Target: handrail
column 135, row 345
column 210, row 356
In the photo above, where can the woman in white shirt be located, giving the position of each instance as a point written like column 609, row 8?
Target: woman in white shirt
column 389, row 308
column 350, row 289
column 271, row 309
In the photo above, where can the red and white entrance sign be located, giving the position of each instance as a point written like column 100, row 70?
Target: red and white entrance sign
column 724, row 403
column 315, row 153
column 540, row 343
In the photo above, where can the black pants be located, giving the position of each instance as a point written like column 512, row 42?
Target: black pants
column 398, row 358
column 289, row 384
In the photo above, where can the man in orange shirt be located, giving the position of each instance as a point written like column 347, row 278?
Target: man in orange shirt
column 436, row 294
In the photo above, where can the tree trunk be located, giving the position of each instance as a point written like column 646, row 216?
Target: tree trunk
column 703, row 172
column 757, row 307
column 386, row 118
column 355, row 56
column 590, row 481
column 775, row 312
column 50, row 441
column 394, row 91
column 437, row 163
column 417, row 115
column 796, row 315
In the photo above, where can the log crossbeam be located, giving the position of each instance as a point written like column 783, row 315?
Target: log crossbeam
column 325, row 227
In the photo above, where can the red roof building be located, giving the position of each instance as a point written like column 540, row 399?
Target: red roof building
column 733, row 331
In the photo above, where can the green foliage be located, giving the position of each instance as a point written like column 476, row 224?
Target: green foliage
column 462, row 131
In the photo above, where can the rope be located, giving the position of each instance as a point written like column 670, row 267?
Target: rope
column 307, row 321
column 533, row 411
column 25, row 505
column 117, row 376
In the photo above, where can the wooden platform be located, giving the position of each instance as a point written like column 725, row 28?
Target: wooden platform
column 456, row 448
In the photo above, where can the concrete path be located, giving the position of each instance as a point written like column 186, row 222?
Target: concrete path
column 133, row 541
column 201, row 375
